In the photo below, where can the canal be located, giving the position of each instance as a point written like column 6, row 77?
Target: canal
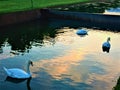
column 62, row 59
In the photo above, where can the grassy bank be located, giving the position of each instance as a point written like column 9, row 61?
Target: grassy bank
column 21, row 5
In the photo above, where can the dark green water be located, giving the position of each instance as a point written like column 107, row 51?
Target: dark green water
column 62, row 59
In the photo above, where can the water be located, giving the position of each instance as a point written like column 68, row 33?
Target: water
column 113, row 11
column 62, row 59
column 111, row 7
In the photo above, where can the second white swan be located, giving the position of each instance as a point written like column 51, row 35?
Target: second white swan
column 19, row 73
column 106, row 45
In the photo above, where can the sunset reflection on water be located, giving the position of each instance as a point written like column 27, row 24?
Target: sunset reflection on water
column 84, row 61
column 68, row 61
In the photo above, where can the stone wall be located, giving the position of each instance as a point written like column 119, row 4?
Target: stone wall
column 18, row 17
column 97, row 20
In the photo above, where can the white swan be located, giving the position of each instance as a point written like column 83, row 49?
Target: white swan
column 106, row 45
column 19, row 73
column 81, row 32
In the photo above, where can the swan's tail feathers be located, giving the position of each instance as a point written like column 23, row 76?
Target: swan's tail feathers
column 5, row 70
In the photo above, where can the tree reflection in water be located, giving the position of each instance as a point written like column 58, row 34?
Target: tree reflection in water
column 22, row 37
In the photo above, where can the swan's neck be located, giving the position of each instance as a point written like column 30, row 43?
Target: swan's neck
column 28, row 69
column 108, row 40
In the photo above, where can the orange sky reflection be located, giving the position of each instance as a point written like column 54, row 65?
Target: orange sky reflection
column 68, row 65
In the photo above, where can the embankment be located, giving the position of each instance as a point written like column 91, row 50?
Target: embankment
column 19, row 17
column 102, row 21
column 95, row 20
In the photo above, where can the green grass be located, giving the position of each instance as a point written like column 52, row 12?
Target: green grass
column 22, row 5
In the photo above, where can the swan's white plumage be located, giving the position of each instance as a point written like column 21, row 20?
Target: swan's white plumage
column 18, row 73
column 106, row 44
column 81, row 32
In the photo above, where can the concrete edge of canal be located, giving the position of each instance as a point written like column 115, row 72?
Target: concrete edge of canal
column 112, row 21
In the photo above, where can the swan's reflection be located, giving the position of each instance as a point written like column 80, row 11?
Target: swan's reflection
column 14, row 80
